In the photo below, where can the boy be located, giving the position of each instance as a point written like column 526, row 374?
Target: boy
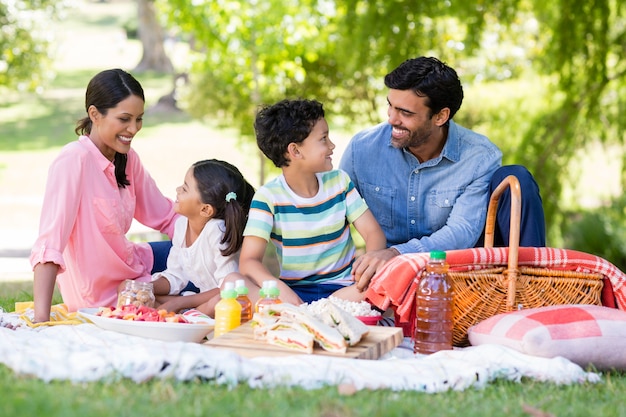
column 306, row 211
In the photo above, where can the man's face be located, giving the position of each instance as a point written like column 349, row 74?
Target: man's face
column 412, row 121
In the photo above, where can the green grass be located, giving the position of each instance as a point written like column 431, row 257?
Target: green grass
column 32, row 122
column 27, row 396
column 12, row 292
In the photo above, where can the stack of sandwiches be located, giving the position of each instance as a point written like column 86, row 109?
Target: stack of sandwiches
column 292, row 327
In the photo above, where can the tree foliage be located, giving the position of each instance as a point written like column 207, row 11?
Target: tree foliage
column 584, row 56
column 337, row 51
column 252, row 52
column 25, row 41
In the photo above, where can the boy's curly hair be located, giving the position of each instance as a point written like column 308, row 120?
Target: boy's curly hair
column 278, row 125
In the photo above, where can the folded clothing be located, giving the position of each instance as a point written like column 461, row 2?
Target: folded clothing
column 59, row 314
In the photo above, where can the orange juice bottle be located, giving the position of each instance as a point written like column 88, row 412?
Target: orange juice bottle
column 227, row 311
column 242, row 298
column 270, row 294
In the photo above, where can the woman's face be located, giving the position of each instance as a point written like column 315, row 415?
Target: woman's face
column 115, row 131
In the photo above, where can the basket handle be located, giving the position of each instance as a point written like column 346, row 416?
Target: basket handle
column 516, row 214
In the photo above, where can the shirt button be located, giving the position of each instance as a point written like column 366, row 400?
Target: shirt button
column 412, row 221
column 412, row 198
column 377, row 189
column 447, row 201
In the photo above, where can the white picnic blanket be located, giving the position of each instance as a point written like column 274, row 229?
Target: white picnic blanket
column 85, row 352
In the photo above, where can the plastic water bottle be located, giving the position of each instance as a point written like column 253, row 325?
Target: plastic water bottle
column 434, row 305
column 227, row 311
column 269, row 294
column 242, row 298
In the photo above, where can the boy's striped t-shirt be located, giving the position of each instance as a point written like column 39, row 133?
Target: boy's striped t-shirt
column 311, row 235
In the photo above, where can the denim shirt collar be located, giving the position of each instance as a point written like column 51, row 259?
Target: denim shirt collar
column 451, row 150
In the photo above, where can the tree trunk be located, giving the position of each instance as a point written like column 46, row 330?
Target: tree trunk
column 152, row 39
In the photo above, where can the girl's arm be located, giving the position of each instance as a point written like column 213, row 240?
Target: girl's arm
column 364, row 267
column 176, row 303
column 161, row 286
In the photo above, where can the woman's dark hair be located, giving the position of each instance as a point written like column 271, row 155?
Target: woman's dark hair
column 280, row 124
column 429, row 77
column 216, row 181
column 105, row 91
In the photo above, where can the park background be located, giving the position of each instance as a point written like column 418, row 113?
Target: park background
column 543, row 81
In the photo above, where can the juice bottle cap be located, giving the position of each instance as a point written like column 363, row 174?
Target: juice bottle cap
column 240, row 286
column 229, row 290
column 438, row 254
column 272, row 291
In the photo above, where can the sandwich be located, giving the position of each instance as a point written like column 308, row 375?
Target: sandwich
column 351, row 328
column 261, row 323
column 290, row 339
column 326, row 336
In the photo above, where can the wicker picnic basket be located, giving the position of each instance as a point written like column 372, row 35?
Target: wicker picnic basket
column 480, row 294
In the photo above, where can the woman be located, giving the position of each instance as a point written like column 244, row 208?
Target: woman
column 96, row 186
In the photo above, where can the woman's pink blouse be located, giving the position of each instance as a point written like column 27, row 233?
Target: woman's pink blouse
column 84, row 221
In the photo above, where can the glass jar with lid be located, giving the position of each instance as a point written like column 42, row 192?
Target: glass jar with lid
column 136, row 293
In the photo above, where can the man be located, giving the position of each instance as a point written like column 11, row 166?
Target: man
column 426, row 179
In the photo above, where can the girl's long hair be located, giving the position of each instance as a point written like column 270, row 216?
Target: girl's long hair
column 216, row 180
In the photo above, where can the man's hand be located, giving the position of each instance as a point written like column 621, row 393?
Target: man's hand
column 366, row 266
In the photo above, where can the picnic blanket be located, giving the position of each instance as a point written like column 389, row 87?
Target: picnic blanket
column 85, row 352
column 394, row 286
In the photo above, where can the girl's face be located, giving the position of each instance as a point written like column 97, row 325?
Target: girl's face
column 188, row 201
column 115, row 131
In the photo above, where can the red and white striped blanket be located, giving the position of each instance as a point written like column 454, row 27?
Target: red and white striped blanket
column 395, row 284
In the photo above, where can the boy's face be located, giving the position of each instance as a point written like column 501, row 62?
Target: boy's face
column 316, row 150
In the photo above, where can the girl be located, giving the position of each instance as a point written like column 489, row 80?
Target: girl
column 214, row 201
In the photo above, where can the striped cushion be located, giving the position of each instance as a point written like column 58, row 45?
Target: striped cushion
column 585, row 334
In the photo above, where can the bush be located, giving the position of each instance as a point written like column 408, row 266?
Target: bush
column 131, row 27
column 600, row 231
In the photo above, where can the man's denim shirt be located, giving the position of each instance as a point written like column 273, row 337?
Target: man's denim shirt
column 440, row 204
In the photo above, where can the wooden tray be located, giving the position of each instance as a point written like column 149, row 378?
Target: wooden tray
column 376, row 343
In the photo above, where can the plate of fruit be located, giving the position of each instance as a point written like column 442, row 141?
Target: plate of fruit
column 148, row 322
